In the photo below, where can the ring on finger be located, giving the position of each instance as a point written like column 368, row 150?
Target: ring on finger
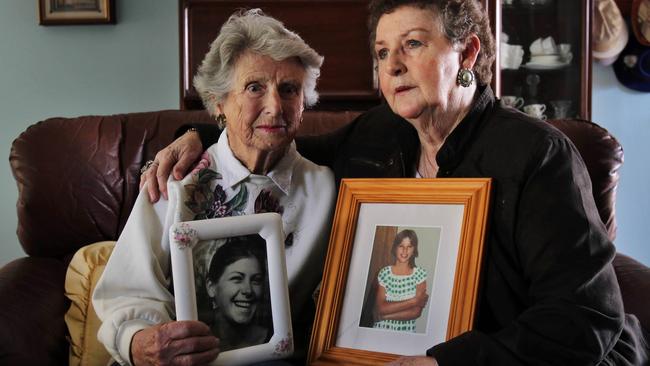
column 148, row 165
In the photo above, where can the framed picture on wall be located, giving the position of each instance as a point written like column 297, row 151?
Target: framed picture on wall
column 62, row 12
column 402, row 269
column 230, row 273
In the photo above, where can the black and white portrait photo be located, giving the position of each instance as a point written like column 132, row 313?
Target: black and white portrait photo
column 232, row 291
column 230, row 274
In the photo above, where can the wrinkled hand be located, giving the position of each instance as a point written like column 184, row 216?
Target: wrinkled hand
column 179, row 156
column 414, row 361
column 174, row 343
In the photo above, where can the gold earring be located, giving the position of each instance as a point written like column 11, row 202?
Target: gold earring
column 221, row 120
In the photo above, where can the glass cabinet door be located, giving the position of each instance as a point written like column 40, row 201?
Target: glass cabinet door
column 544, row 56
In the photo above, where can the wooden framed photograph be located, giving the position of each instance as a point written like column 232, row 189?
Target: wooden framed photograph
column 230, row 273
column 402, row 270
column 62, row 12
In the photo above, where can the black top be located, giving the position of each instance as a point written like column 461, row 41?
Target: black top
column 549, row 294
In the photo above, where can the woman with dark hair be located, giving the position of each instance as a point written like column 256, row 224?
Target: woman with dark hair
column 236, row 285
column 401, row 294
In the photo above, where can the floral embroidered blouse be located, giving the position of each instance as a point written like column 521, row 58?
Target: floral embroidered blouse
column 134, row 290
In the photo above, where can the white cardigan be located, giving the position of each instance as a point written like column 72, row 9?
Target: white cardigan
column 134, row 290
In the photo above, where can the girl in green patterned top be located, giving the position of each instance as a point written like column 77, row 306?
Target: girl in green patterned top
column 401, row 294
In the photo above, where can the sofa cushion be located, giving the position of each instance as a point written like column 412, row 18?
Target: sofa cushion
column 83, row 273
column 634, row 281
column 32, row 331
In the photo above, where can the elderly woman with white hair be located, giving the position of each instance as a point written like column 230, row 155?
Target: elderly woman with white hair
column 256, row 80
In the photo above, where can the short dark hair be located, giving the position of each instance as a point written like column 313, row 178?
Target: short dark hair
column 234, row 249
column 408, row 233
column 458, row 18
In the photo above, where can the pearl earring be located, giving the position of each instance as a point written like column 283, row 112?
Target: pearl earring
column 465, row 77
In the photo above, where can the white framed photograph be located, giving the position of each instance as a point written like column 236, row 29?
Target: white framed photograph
column 230, row 273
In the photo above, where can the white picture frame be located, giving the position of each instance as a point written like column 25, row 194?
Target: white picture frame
column 184, row 237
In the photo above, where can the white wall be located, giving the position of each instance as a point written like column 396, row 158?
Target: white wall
column 76, row 70
column 626, row 114
column 133, row 66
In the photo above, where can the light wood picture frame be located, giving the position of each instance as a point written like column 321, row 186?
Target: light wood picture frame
column 275, row 329
column 450, row 215
column 69, row 12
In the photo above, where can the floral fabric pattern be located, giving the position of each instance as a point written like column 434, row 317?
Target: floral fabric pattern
column 207, row 203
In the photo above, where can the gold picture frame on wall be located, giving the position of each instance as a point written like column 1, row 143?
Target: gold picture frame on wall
column 446, row 221
column 65, row 12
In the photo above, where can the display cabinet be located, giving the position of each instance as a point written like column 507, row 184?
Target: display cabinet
column 544, row 59
column 335, row 28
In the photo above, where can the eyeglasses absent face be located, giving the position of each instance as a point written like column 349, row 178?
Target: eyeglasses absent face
column 239, row 290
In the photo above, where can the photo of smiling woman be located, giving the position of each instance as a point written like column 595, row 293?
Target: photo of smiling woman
column 237, row 287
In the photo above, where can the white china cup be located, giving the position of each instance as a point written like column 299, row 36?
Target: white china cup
column 512, row 101
column 564, row 48
column 565, row 52
column 535, row 110
column 543, row 46
column 549, row 46
column 511, row 56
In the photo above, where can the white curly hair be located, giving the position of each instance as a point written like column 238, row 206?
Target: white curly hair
column 252, row 30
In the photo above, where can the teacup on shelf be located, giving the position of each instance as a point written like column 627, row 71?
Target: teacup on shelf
column 536, row 110
column 543, row 46
column 511, row 56
column 565, row 52
column 512, row 101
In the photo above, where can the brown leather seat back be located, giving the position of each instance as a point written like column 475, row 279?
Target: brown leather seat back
column 78, row 177
column 603, row 156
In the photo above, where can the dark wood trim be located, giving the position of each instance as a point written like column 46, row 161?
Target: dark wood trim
column 181, row 54
column 586, row 57
column 493, row 8
column 337, row 30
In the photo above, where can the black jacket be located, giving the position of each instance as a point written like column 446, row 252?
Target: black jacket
column 549, row 294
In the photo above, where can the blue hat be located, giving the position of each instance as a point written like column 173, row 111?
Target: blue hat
column 632, row 68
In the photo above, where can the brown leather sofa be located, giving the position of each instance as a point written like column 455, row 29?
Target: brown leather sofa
column 78, row 178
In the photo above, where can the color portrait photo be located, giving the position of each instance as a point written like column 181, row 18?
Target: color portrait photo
column 400, row 278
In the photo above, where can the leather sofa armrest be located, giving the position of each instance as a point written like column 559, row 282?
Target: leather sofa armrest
column 32, row 306
column 634, row 281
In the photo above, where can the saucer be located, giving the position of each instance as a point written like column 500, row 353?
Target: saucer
column 546, row 65
column 549, row 59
